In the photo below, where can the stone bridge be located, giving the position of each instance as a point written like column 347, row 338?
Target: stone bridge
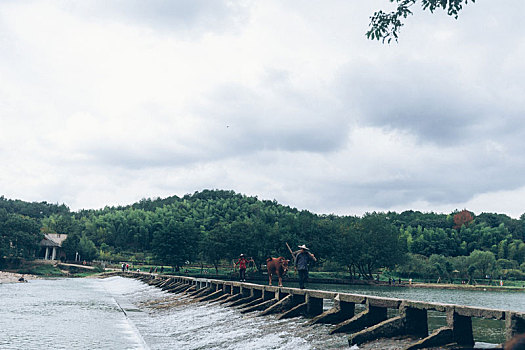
column 371, row 324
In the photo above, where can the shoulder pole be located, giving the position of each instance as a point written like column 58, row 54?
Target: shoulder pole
column 291, row 252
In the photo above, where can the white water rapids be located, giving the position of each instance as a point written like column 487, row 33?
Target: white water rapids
column 124, row 313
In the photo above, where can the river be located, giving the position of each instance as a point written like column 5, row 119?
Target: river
column 124, row 313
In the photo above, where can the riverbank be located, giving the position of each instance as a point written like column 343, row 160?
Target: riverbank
column 13, row 277
column 465, row 286
column 45, row 269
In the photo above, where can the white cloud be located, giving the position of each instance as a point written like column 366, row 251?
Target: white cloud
column 107, row 102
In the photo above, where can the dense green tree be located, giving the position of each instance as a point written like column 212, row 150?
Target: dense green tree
column 414, row 265
column 430, row 241
column 345, row 251
column 175, row 242
column 214, row 247
column 87, row 249
column 60, row 223
column 484, row 262
column 441, row 266
column 79, row 246
column 71, row 246
column 505, row 264
column 19, row 235
column 377, row 244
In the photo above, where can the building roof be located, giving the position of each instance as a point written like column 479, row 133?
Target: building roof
column 53, row 240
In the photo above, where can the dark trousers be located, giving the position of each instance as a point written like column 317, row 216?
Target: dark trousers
column 242, row 275
column 303, row 277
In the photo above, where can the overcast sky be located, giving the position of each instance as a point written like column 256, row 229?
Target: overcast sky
column 107, row 102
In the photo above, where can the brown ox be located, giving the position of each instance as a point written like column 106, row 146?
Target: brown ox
column 277, row 266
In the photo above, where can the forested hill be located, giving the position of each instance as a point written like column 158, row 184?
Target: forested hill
column 36, row 210
column 149, row 204
column 214, row 225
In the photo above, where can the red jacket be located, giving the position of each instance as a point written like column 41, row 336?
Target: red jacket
column 242, row 263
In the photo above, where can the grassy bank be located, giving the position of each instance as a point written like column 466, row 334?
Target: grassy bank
column 38, row 268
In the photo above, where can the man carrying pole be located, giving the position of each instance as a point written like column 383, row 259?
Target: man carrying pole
column 302, row 258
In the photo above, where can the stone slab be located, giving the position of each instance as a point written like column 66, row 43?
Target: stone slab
column 479, row 312
column 421, row 305
column 390, row 303
column 352, row 298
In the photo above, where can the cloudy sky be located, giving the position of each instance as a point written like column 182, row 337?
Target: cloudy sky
column 106, row 102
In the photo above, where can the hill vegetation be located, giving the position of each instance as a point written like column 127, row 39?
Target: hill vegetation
column 214, row 226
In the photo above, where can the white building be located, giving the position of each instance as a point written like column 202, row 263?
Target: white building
column 52, row 245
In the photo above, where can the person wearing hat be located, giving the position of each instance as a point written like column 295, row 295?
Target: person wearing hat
column 242, row 262
column 301, row 263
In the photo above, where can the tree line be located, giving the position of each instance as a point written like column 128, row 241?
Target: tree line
column 214, row 226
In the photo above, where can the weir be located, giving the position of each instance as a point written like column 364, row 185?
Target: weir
column 373, row 323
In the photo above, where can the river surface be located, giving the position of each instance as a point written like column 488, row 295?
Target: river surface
column 124, row 313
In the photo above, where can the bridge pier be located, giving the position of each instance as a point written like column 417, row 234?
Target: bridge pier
column 416, row 321
column 178, row 287
column 371, row 316
column 172, row 285
column 410, row 321
column 282, row 304
column 269, row 297
column 514, row 324
column 227, row 288
column 341, row 311
column 242, row 301
column 166, row 283
column 181, row 288
column 314, row 306
column 260, row 306
column 188, row 290
column 236, row 290
column 255, row 298
column 246, row 297
column 297, row 307
column 461, row 328
column 211, row 296
column 231, row 298
column 202, row 292
column 440, row 337
column 255, row 301
column 220, row 298
column 268, row 294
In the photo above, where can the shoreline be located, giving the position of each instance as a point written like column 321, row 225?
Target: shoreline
column 12, row 277
column 465, row 287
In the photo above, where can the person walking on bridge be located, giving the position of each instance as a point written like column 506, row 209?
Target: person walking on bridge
column 242, row 262
column 302, row 259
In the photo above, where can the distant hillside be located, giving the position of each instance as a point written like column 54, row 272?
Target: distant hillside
column 32, row 209
column 217, row 225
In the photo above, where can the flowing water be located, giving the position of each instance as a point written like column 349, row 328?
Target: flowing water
column 124, row 313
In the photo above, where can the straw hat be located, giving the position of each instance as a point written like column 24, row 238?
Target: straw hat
column 303, row 247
